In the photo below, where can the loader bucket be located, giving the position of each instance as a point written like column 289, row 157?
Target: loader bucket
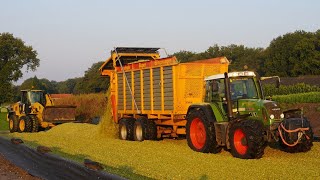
column 59, row 114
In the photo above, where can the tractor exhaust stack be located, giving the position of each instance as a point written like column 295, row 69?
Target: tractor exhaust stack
column 228, row 96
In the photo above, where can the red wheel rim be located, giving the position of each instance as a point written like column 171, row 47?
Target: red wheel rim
column 240, row 142
column 197, row 133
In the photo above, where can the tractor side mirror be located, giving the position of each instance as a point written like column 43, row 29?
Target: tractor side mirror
column 271, row 77
column 278, row 82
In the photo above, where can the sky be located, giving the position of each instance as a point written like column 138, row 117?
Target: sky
column 71, row 35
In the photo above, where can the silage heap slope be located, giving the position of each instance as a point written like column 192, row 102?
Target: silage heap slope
column 173, row 159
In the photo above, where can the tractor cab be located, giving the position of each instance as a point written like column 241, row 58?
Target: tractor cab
column 241, row 87
column 246, row 97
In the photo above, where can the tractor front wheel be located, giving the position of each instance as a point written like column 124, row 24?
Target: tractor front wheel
column 13, row 123
column 246, row 139
column 201, row 134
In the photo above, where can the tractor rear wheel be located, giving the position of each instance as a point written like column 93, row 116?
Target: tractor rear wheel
column 201, row 134
column 25, row 124
column 13, row 123
column 246, row 139
column 126, row 128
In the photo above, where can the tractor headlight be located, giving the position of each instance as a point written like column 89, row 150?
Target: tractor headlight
column 282, row 116
column 271, row 116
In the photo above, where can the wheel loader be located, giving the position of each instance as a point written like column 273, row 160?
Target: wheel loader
column 36, row 111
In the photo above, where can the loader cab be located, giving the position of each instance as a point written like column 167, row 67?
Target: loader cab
column 29, row 97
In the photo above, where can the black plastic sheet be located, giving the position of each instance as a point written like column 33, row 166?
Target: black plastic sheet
column 48, row 166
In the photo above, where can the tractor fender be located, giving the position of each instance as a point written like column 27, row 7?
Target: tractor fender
column 205, row 108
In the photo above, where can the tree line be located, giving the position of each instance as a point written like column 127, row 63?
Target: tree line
column 91, row 82
column 289, row 55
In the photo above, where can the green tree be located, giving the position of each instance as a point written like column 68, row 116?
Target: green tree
column 49, row 86
column 184, row 56
column 92, row 82
column 68, row 85
column 14, row 55
column 239, row 56
column 32, row 83
column 39, row 84
column 294, row 54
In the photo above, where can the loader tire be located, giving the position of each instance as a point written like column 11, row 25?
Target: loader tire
column 13, row 123
column 201, row 135
column 35, row 123
column 126, row 129
column 304, row 146
column 25, row 124
column 246, row 139
column 140, row 129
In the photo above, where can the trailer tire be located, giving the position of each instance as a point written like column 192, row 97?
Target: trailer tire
column 25, row 124
column 305, row 144
column 140, row 129
column 126, row 129
column 13, row 123
column 201, row 136
column 151, row 130
column 246, row 139
column 35, row 123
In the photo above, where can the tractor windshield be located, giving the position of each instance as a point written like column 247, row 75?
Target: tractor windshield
column 243, row 87
column 240, row 87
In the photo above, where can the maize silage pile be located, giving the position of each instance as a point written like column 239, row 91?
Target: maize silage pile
column 168, row 159
column 107, row 128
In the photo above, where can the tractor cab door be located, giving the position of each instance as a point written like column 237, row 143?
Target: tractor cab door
column 215, row 95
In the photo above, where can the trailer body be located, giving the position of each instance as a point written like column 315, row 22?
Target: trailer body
column 159, row 89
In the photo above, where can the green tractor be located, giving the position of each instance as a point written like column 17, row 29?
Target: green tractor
column 236, row 116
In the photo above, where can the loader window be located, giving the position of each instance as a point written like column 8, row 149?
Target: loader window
column 36, row 97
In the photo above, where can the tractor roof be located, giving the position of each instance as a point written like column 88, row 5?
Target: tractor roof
column 232, row 74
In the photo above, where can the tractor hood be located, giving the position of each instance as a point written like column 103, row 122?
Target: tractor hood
column 268, row 111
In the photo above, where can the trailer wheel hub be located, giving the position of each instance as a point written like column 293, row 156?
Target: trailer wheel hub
column 197, row 133
column 240, row 142
column 139, row 133
column 123, row 132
